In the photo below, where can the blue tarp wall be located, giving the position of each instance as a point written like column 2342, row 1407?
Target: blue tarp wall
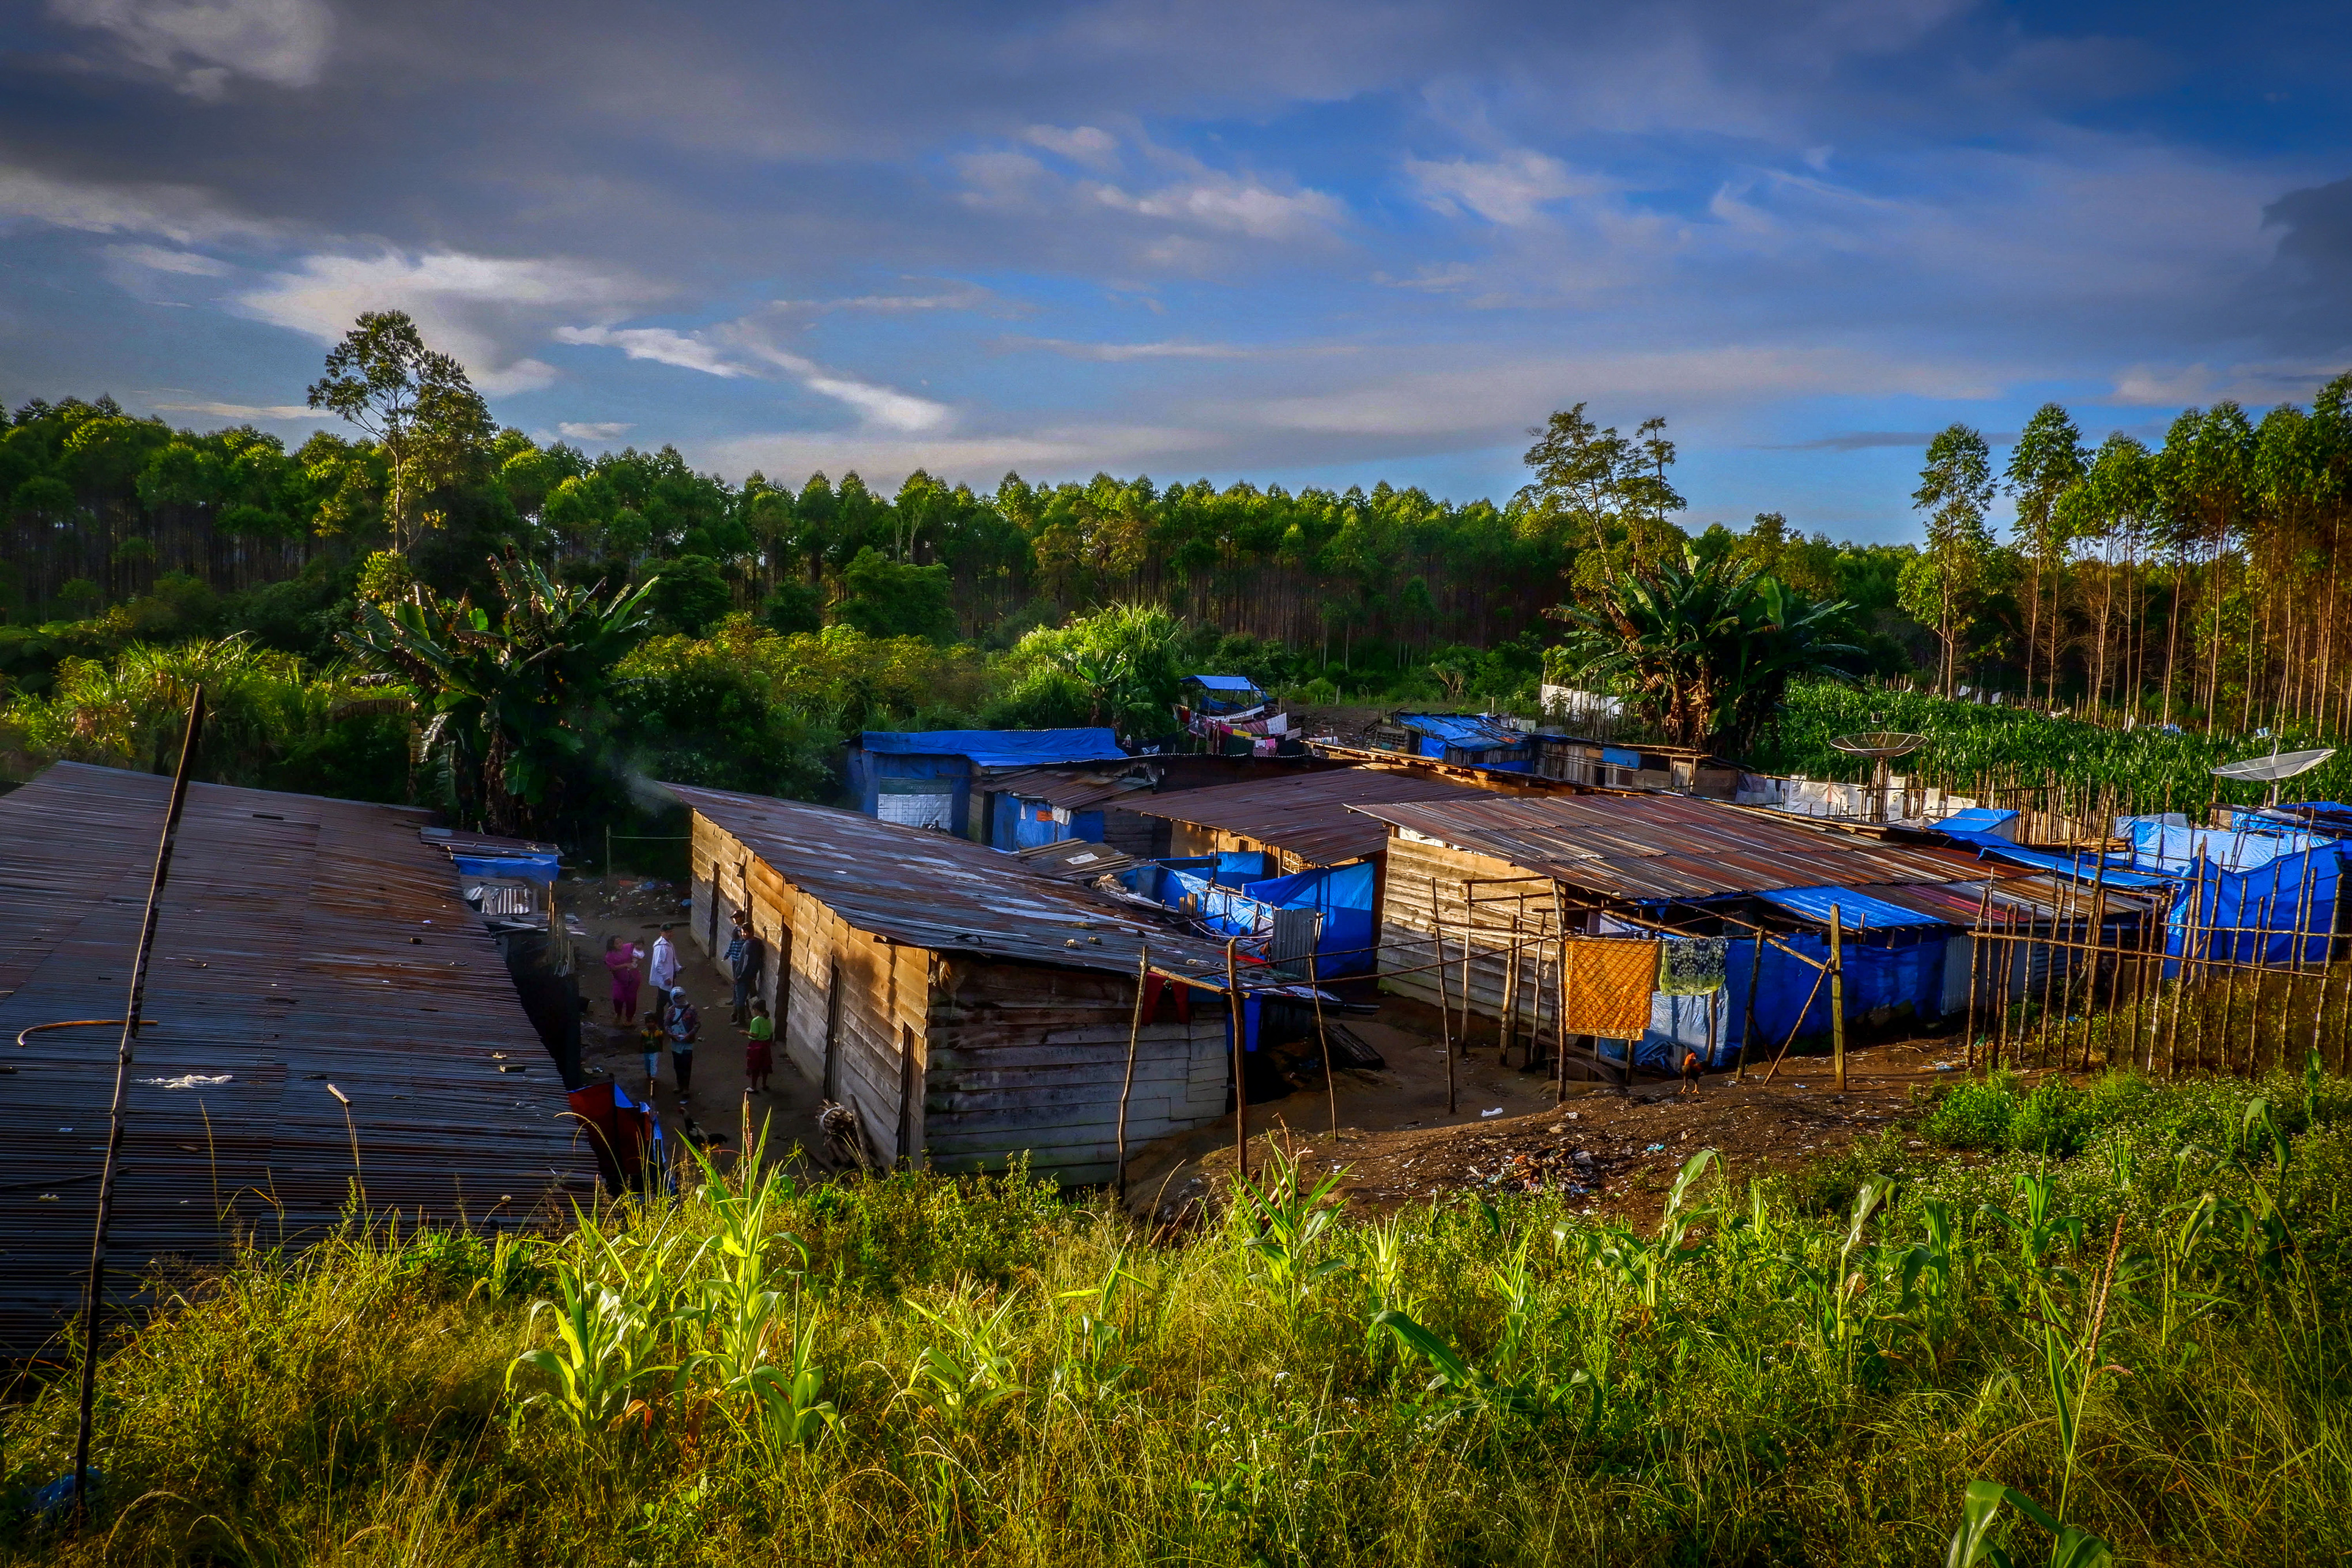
column 2247, row 894
column 952, row 754
column 1900, row 968
column 1441, row 733
column 527, row 867
column 1025, row 824
column 1238, row 898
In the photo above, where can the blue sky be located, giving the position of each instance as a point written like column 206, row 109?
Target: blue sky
column 1297, row 243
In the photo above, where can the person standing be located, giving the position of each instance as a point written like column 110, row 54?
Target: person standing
column 746, row 956
column 759, row 1053
column 663, row 970
column 621, row 961
column 681, row 1022
column 652, row 1037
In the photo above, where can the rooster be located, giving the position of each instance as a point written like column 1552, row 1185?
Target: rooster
column 1692, row 1068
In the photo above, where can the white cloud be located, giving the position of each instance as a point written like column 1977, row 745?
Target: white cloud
column 979, row 461
column 1096, row 147
column 470, row 306
column 596, row 430
column 1115, row 353
column 687, row 351
column 746, row 347
column 1231, row 205
column 246, row 410
column 1510, row 190
column 205, row 42
column 155, row 258
column 1191, row 196
column 186, row 214
column 2177, row 386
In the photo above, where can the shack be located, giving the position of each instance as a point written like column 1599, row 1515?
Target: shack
column 1503, row 880
column 927, row 778
column 301, row 943
column 1291, row 822
column 969, row 1010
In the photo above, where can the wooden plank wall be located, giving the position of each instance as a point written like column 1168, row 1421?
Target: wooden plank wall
column 885, row 993
column 1025, row 1058
column 1405, row 931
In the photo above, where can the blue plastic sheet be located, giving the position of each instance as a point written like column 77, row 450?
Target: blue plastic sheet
column 1345, row 896
column 1905, row 969
column 2281, row 912
column 1222, row 682
column 530, row 867
column 997, row 748
column 1857, row 911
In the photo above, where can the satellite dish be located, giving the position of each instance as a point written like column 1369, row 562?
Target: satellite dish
column 2271, row 769
column 1880, row 746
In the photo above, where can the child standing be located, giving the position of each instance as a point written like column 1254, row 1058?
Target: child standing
column 652, row 1040
column 760, row 1054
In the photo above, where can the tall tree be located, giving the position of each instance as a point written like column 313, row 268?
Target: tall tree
column 1595, row 480
column 2048, row 461
column 415, row 402
column 1940, row 587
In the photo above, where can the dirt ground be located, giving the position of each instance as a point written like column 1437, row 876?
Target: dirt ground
column 717, row 1103
column 1616, row 1148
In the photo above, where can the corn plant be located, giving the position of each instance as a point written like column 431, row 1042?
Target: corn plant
column 2069, row 1547
column 1085, row 1372
column 605, row 1357
column 969, row 1368
column 1282, row 1222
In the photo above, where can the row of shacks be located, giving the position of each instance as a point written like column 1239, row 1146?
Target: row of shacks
column 1466, row 886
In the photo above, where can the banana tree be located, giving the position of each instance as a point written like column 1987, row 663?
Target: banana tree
column 1705, row 649
column 512, row 711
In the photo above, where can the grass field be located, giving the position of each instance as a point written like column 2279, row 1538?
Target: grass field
column 914, row 1370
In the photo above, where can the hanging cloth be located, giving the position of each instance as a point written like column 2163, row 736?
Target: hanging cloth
column 1608, row 982
column 1692, row 966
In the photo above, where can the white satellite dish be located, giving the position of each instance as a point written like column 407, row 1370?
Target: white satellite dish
column 2272, row 769
column 2269, row 770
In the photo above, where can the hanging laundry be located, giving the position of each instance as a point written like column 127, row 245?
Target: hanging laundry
column 1692, row 966
column 1608, row 981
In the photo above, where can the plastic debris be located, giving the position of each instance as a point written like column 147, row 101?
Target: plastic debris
column 188, row 1080
column 1655, row 1149
column 1483, row 1114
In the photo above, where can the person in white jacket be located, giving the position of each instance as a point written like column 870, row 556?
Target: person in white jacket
column 663, row 970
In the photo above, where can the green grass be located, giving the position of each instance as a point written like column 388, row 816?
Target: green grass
column 914, row 1370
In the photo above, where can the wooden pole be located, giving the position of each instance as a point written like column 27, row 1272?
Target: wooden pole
column 1127, row 1086
column 1837, row 994
column 1558, row 998
column 1445, row 1007
column 1976, row 958
column 94, row 1288
column 1748, row 1025
column 1510, row 1029
column 1315, row 985
column 1241, row 1071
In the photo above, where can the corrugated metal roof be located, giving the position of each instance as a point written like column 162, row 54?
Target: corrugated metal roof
column 1309, row 815
column 1665, row 846
column 1073, row 789
column 300, row 941
column 934, row 891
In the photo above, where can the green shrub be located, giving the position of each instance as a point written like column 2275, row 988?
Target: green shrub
column 2055, row 1118
column 1973, row 1116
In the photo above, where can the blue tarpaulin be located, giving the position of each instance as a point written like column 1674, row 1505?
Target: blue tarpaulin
column 1980, row 822
column 527, row 867
column 1345, row 896
column 997, row 748
column 1222, row 682
column 1618, row 757
column 1857, row 911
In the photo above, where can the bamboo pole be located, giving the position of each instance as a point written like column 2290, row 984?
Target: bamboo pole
column 94, row 1288
column 1241, row 1071
column 1975, row 959
column 1837, row 995
column 1748, row 1025
column 1559, row 998
column 1444, row 1008
column 1126, row 1085
column 1510, row 1020
column 1323, row 1040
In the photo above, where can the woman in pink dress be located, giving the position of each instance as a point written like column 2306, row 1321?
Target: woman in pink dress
column 620, row 958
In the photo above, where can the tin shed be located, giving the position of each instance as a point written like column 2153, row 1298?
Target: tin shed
column 968, row 1008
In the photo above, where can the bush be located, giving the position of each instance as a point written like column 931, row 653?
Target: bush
column 690, row 594
column 892, row 599
column 1973, row 1116
column 795, row 607
column 2055, row 1118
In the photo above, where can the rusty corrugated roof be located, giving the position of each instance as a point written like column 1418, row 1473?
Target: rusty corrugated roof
column 1665, row 846
column 1072, row 789
column 1310, row 816
column 300, row 941
column 931, row 889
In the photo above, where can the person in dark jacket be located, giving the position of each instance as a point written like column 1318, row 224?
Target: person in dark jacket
column 746, row 955
column 681, row 1022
